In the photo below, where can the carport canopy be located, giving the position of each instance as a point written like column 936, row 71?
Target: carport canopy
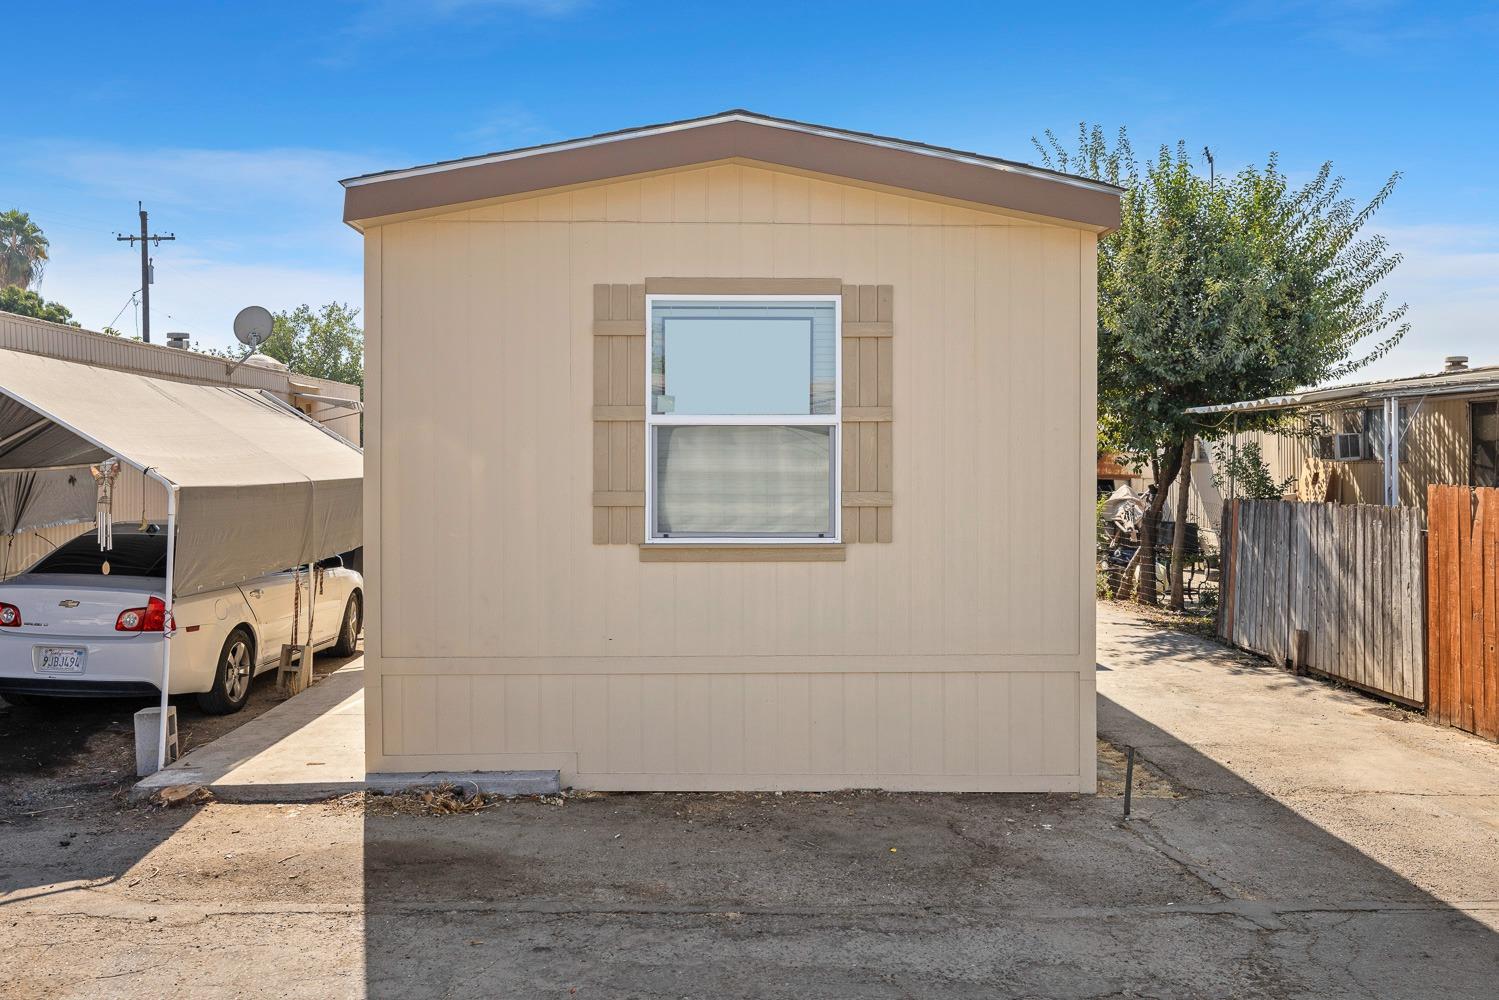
column 259, row 486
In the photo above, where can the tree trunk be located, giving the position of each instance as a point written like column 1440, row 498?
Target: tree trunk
column 1166, row 471
column 1179, row 528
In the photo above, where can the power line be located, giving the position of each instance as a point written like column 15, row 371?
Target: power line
column 128, row 303
column 155, row 240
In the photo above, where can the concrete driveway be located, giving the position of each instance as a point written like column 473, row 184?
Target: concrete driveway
column 1289, row 841
column 1239, row 734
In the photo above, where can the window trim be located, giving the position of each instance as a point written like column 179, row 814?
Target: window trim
column 833, row 420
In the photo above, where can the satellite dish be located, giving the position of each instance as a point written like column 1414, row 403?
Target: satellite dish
column 252, row 325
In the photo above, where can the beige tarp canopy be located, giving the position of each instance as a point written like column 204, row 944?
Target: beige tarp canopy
column 259, row 486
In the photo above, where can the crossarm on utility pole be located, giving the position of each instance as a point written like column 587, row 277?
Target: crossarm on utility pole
column 145, row 237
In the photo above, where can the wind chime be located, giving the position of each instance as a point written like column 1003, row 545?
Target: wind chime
column 104, row 483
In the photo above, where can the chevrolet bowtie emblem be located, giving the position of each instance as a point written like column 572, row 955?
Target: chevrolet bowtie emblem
column 67, row 604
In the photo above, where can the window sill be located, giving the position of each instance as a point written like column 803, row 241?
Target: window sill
column 723, row 552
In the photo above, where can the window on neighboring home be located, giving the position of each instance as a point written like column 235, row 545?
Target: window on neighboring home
column 1345, row 435
column 742, row 426
column 1484, row 469
column 1356, row 435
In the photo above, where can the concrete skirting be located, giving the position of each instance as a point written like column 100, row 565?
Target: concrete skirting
column 310, row 748
column 488, row 782
column 238, row 791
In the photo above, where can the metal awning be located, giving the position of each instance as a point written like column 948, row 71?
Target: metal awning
column 1472, row 380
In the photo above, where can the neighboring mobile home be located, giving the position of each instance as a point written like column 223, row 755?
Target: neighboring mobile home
column 1346, row 446
column 733, row 453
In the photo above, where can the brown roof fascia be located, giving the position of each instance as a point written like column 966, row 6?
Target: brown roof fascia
column 938, row 172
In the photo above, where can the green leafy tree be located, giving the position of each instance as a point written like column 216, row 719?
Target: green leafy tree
column 326, row 342
column 14, row 299
column 1214, row 292
column 23, row 250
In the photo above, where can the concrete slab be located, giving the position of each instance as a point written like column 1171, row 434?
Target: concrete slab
column 488, row 782
column 1246, row 871
column 307, row 748
column 310, row 748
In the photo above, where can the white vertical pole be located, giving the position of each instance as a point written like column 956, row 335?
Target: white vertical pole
column 166, row 639
column 1392, row 452
column 311, row 607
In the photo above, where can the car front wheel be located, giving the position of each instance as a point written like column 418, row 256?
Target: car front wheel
column 231, row 681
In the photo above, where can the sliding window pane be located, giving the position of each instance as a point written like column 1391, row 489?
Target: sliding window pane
column 736, row 359
column 743, row 481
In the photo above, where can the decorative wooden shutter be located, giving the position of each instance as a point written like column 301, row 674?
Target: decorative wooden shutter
column 619, row 340
column 868, row 411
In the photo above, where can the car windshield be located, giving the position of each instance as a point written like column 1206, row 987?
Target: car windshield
column 135, row 553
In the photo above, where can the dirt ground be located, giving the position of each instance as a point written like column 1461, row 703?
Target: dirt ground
column 1279, row 848
column 82, row 753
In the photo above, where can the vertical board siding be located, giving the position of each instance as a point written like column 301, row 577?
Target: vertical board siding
column 489, row 348
column 1463, row 608
column 773, row 730
column 1350, row 576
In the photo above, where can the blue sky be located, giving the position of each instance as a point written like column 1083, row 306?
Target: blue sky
column 244, row 116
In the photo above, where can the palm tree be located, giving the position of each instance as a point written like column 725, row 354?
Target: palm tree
column 23, row 250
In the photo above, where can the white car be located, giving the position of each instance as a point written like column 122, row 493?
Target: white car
column 86, row 623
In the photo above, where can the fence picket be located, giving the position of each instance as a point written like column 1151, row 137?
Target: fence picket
column 1462, row 609
column 1351, row 576
column 1489, row 724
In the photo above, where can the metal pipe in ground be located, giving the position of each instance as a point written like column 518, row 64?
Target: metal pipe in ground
column 1129, row 780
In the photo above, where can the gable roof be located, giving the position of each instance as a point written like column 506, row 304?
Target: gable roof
column 737, row 134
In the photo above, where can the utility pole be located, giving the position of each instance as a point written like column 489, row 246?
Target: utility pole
column 145, row 236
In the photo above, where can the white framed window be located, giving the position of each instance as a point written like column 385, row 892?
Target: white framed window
column 742, row 419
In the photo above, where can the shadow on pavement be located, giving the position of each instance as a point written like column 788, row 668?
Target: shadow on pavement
column 1214, row 889
column 66, row 767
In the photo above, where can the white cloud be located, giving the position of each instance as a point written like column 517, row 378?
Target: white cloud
column 1450, row 279
column 194, row 293
column 509, row 126
column 1365, row 28
column 253, row 226
column 245, row 195
column 194, row 177
column 375, row 19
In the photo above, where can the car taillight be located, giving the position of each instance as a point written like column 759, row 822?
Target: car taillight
column 151, row 618
column 10, row 616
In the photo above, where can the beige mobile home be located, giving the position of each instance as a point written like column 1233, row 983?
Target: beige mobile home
column 733, row 453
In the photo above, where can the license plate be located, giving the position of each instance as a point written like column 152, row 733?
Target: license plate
column 61, row 660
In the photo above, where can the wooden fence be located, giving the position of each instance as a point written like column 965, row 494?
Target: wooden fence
column 1463, row 607
column 1348, row 577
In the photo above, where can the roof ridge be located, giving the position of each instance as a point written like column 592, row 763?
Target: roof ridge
column 615, row 135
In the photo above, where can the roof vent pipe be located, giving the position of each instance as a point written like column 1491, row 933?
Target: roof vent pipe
column 1456, row 363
